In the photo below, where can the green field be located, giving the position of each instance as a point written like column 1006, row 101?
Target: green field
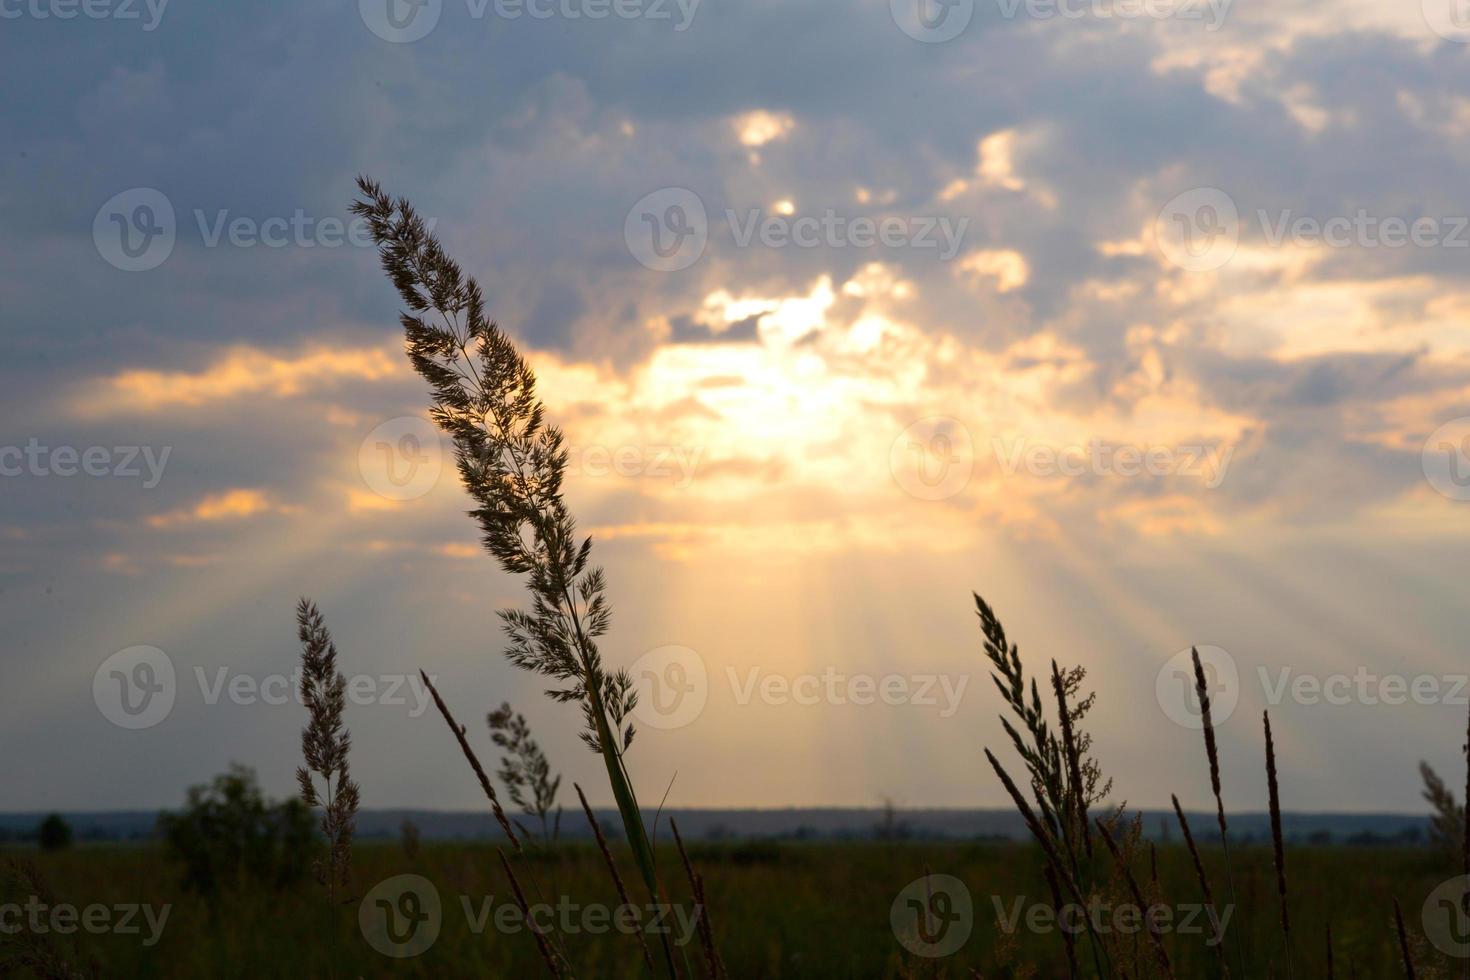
column 778, row 910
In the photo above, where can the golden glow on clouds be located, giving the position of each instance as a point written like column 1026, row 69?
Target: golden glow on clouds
column 759, row 127
column 997, row 167
column 1163, row 516
column 789, row 430
column 1325, row 316
column 362, row 501
column 239, row 373
column 783, row 442
column 234, row 504
column 1007, row 267
column 1233, row 65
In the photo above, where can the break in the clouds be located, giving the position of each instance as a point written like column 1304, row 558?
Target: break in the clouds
column 1149, row 327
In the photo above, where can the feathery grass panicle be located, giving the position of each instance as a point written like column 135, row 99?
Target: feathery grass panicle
column 1064, row 780
column 1041, row 755
column 1073, row 757
column 1447, row 832
column 1204, row 884
column 325, row 743
column 1278, row 847
column 525, row 770
column 512, row 464
column 1061, row 795
column 474, row 761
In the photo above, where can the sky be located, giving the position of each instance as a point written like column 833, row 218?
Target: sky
column 1144, row 321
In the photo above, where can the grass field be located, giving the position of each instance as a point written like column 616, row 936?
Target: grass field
column 781, row 911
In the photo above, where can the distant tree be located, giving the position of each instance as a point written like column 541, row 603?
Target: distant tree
column 890, row 827
column 54, row 833
column 228, row 835
column 408, row 837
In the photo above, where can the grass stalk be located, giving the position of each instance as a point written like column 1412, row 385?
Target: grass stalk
column 1277, row 844
column 1160, row 953
column 713, row 963
column 1049, row 848
column 469, row 754
column 1403, row 936
column 1057, row 904
column 612, row 869
column 1212, row 752
column 1204, row 884
column 548, row 955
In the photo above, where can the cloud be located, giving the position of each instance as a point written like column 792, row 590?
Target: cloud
column 764, row 400
column 1006, row 267
column 230, row 505
column 239, row 372
column 758, row 127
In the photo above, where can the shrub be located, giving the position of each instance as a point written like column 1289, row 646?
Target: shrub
column 54, row 833
column 228, row 835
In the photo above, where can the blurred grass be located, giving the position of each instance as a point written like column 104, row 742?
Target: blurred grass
column 789, row 910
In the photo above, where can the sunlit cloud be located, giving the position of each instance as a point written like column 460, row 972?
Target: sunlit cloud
column 1006, row 267
column 760, row 126
column 238, row 372
column 231, row 505
column 362, row 501
column 763, row 420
